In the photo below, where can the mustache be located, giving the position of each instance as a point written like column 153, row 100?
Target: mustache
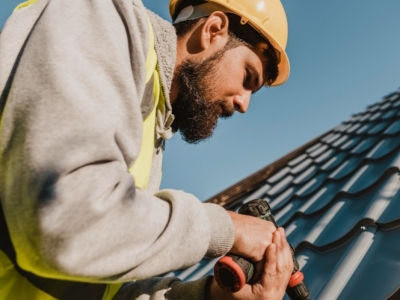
column 227, row 109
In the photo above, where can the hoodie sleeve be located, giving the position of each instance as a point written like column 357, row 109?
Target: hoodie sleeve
column 70, row 129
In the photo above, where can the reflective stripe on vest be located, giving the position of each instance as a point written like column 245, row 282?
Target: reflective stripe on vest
column 15, row 283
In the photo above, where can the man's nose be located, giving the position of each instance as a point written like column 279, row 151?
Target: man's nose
column 242, row 101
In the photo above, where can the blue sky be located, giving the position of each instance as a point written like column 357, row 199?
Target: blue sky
column 344, row 56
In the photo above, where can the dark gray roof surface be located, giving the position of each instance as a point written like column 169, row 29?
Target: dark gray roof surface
column 339, row 201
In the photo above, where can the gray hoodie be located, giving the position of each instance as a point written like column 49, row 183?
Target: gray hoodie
column 72, row 76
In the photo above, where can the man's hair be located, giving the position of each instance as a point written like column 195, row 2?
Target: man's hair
column 243, row 34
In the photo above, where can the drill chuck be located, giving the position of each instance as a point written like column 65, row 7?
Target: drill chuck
column 232, row 271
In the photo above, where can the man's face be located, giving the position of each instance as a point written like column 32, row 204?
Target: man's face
column 214, row 88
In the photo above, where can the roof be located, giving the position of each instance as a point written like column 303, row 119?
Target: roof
column 338, row 198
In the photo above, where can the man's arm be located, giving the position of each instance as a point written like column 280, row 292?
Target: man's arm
column 70, row 131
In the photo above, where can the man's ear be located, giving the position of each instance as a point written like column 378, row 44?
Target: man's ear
column 214, row 31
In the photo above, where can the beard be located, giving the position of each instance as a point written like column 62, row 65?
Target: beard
column 196, row 115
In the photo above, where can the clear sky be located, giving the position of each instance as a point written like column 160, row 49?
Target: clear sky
column 344, row 56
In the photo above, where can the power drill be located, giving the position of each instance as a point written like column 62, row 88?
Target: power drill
column 232, row 271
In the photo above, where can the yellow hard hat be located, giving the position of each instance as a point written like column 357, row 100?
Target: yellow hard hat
column 266, row 16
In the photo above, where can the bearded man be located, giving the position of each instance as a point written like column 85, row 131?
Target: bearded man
column 91, row 90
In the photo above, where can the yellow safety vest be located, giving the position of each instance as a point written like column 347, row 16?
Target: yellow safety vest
column 13, row 286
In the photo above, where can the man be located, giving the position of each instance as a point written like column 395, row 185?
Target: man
column 90, row 92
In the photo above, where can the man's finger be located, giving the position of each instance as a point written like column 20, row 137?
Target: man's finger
column 269, row 274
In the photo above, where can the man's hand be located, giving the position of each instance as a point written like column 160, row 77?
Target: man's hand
column 274, row 279
column 252, row 236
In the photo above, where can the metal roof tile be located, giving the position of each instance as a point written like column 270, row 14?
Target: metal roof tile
column 327, row 137
column 354, row 118
column 385, row 146
column 353, row 128
column 365, row 117
column 334, row 161
column 375, row 116
column 392, row 211
column 299, row 168
column 258, row 193
column 378, row 128
column 323, row 196
column 385, row 106
column 297, row 160
column 340, row 141
column 280, row 186
column 325, row 217
column 394, row 128
column 306, row 175
column 369, row 173
column 373, row 108
column 365, row 145
column 313, row 147
column 389, row 114
column 351, row 143
column 311, row 186
column 374, row 270
column 318, row 151
column 279, row 175
column 346, row 167
column 364, row 128
column 394, row 97
column 318, row 274
column 277, row 202
column 345, row 268
column 332, row 138
column 324, row 156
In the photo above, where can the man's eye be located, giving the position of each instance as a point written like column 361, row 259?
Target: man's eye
column 247, row 79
